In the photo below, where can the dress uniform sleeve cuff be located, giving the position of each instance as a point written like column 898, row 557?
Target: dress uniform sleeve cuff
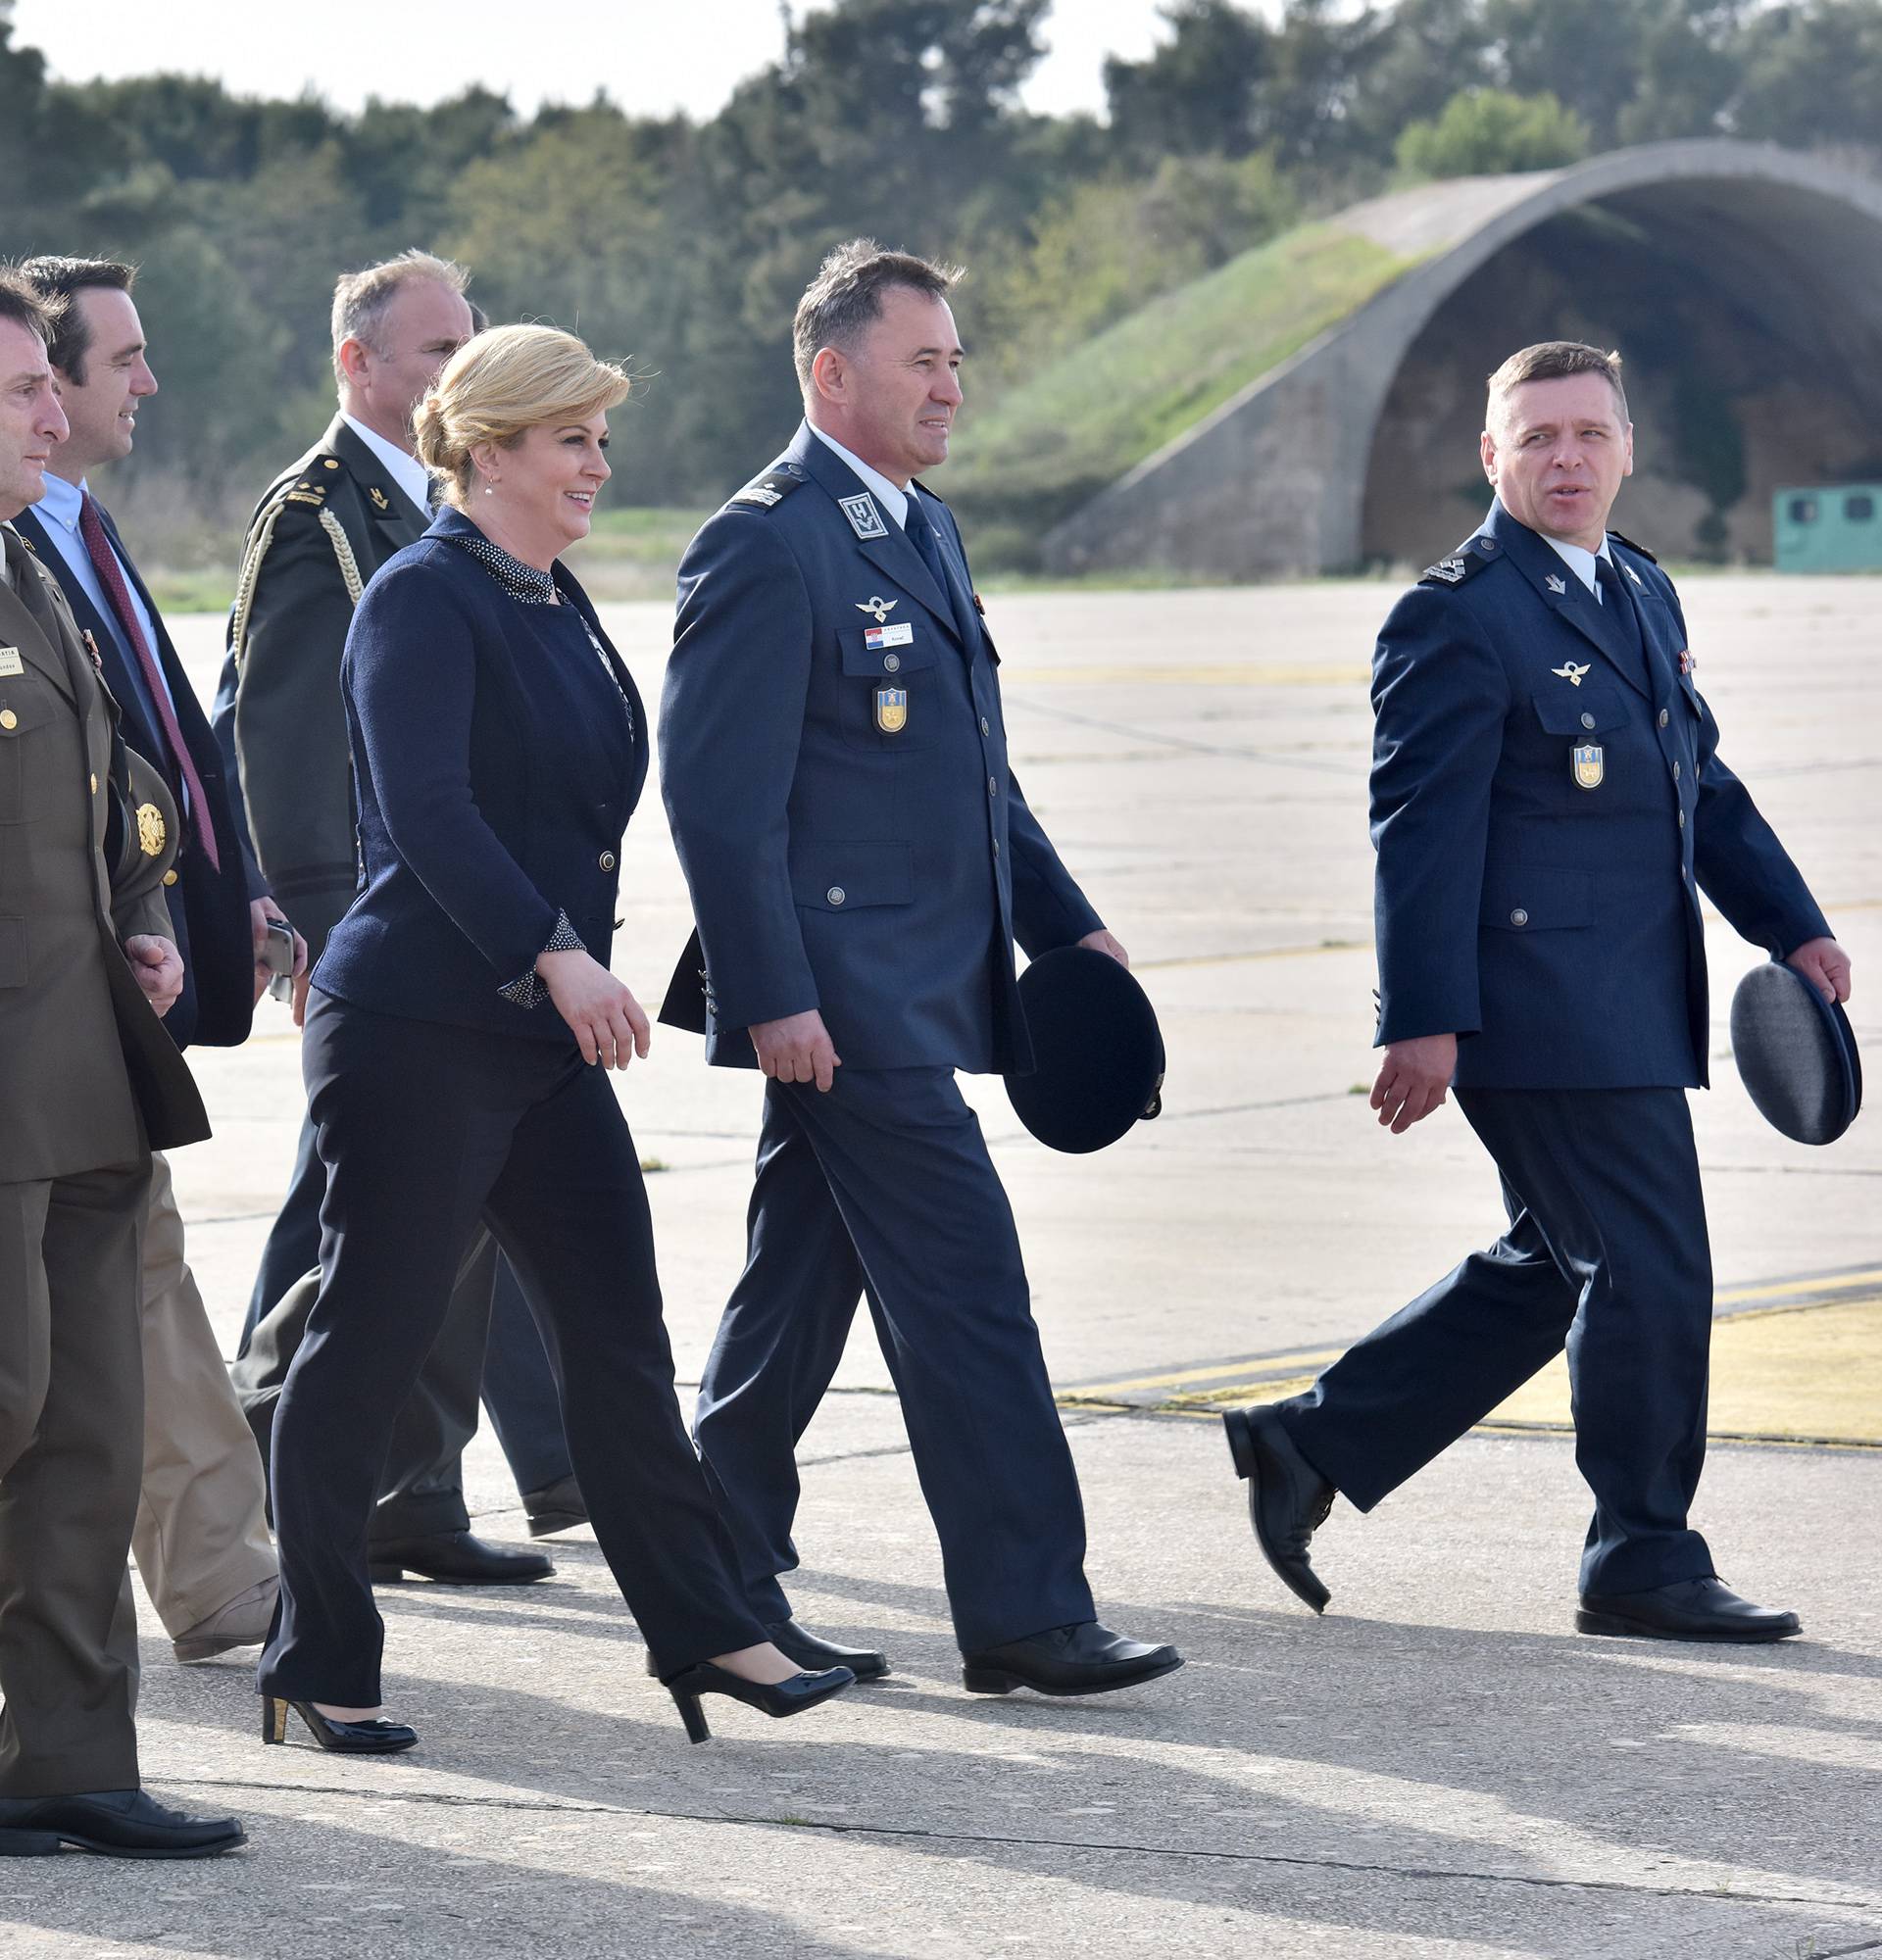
column 530, row 991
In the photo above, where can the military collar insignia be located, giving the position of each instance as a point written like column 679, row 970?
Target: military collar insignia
column 865, row 520
column 1555, row 583
column 381, row 500
column 877, row 608
column 1571, row 674
column 1634, row 575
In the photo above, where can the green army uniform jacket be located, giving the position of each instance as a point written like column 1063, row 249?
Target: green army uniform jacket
column 316, row 537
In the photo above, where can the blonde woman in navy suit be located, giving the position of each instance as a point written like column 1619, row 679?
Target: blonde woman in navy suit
column 459, row 1028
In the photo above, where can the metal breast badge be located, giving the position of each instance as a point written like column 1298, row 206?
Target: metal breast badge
column 1571, row 674
column 151, row 833
column 1586, row 765
column 877, row 608
column 891, row 710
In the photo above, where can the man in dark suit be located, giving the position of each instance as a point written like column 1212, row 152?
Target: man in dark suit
column 320, row 531
column 834, row 763
column 201, row 1540
column 1548, row 803
column 90, row 1082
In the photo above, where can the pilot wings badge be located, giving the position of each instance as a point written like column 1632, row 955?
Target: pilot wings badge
column 1571, row 674
column 877, row 608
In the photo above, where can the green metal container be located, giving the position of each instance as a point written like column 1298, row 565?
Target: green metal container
column 1833, row 527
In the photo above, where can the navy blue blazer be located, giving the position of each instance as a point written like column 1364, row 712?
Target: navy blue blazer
column 208, row 905
column 495, row 766
column 1546, row 813
column 872, row 862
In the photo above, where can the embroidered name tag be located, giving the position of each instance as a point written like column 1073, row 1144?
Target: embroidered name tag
column 876, row 638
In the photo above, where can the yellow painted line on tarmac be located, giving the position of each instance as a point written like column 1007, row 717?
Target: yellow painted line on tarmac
column 1216, row 1371
column 1798, row 1289
column 1805, row 1373
column 1245, row 674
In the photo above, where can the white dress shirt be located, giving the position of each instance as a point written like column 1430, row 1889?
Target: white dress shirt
column 404, row 468
column 892, row 500
column 1581, row 561
column 59, row 510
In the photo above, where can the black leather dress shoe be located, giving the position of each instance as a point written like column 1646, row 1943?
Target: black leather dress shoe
column 1288, row 1499
column 813, row 1653
column 1087, row 1659
column 453, row 1559
column 119, row 1822
column 1693, row 1609
column 556, row 1507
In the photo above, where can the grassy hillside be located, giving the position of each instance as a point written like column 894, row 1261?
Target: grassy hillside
column 1053, row 442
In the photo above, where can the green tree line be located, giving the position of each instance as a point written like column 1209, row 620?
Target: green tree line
column 680, row 245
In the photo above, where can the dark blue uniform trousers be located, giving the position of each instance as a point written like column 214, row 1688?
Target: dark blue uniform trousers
column 425, row 1130
column 882, row 1185
column 488, row 1347
column 1606, row 1253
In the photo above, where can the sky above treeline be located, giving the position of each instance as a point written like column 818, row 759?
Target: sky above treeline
column 651, row 57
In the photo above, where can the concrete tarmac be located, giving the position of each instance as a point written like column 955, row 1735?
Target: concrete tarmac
column 1441, row 1766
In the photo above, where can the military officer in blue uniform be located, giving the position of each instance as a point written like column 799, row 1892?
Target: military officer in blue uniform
column 1548, row 805
column 834, row 764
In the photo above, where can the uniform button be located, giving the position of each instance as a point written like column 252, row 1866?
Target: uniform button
column 986, row 726
column 996, row 846
column 1675, row 771
column 1663, row 717
column 94, row 785
column 1682, row 819
column 8, row 718
column 1587, row 720
column 1519, row 916
column 891, row 662
column 330, row 464
column 836, row 894
column 169, row 877
column 605, row 860
column 993, row 788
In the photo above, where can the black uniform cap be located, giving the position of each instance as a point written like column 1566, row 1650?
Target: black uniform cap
column 1098, row 1050
column 1796, row 1053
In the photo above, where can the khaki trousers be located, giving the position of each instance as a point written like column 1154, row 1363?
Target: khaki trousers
column 201, row 1534
column 71, row 1413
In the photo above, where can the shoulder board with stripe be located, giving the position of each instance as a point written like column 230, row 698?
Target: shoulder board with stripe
column 770, row 490
column 1632, row 547
column 1452, row 570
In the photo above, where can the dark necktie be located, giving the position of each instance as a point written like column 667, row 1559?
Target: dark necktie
column 1619, row 607
column 920, row 534
column 111, row 575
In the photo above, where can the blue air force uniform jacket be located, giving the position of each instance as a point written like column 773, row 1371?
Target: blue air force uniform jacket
column 1548, row 804
column 871, row 859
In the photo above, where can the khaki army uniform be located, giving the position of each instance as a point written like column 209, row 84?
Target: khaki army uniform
column 90, row 1083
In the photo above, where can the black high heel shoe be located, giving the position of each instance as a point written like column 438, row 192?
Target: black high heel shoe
column 377, row 1737
column 777, row 1697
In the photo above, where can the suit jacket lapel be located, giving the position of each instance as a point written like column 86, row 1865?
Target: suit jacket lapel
column 129, row 697
column 892, row 552
column 405, row 523
column 1573, row 605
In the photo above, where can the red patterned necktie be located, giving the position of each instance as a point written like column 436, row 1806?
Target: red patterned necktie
column 111, row 574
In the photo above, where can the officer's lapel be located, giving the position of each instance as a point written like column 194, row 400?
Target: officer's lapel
column 33, row 627
column 1573, row 604
column 890, row 550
